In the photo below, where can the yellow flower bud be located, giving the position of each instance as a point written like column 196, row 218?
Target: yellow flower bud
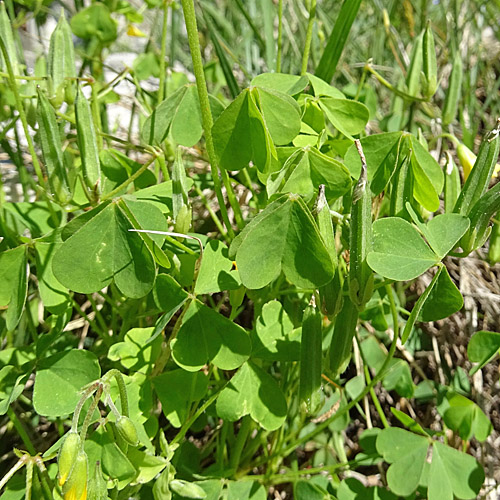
column 75, row 488
column 467, row 159
column 67, row 455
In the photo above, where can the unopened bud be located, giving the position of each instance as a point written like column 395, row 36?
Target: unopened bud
column 75, row 488
column 127, row 430
column 67, row 455
column 97, row 485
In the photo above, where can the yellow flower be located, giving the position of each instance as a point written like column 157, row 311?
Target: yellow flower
column 75, row 488
column 67, row 455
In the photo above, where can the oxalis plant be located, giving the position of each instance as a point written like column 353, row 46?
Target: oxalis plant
column 241, row 270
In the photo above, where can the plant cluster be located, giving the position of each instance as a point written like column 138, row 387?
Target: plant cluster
column 241, row 267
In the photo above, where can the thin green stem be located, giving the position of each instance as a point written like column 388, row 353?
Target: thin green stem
column 90, row 413
column 21, row 430
column 307, row 47
column 280, row 36
column 163, row 52
column 212, row 214
column 241, row 439
column 76, row 414
column 206, row 114
column 122, row 389
column 22, row 115
column 189, row 422
column 129, row 180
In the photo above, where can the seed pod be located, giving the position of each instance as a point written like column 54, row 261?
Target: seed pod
column 311, row 357
column 451, row 184
column 480, row 216
column 8, row 40
column 343, row 333
column 127, row 430
column 429, row 62
column 87, row 143
column 494, row 250
column 67, row 455
column 53, row 156
column 75, row 488
column 453, row 93
column 61, row 57
column 183, row 220
column 480, row 175
column 97, row 489
column 331, row 293
column 402, row 189
column 360, row 241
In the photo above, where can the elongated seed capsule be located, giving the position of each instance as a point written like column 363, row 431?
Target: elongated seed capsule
column 67, row 455
column 311, row 357
column 429, row 62
column 481, row 173
column 75, row 488
column 451, row 184
column 480, row 216
column 402, row 189
column 453, row 93
column 343, row 333
column 61, row 56
column 53, row 156
column 8, row 40
column 331, row 293
column 494, row 250
column 360, row 239
column 87, row 143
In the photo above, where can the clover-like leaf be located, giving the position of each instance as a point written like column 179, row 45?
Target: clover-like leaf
column 399, row 252
column 59, row 379
column 105, row 250
column 179, row 114
column 253, row 391
column 176, row 390
column 282, row 82
column 347, row 116
column 206, row 335
column 284, row 237
column 274, row 338
column 483, row 347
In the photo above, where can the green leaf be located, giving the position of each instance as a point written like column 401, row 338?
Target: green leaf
column 55, row 297
column 206, row 335
column 382, row 153
column 398, row 377
column 241, row 137
column 179, row 114
column 14, row 272
column 59, row 379
column 399, row 252
column 147, row 466
column 284, row 237
column 408, row 422
column 352, row 489
column 136, row 352
column 245, row 490
column 281, row 114
column 282, row 82
column 444, row 299
column 176, row 390
column 453, row 473
column 465, row 417
column 252, row 391
column 428, row 176
column 483, row 347
column 105, row 250
column 216, row 271
column 305, row 170
column 95, row 21
column 274, row 338
column 348, row 117
column 407, row 453
column 322, row 88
